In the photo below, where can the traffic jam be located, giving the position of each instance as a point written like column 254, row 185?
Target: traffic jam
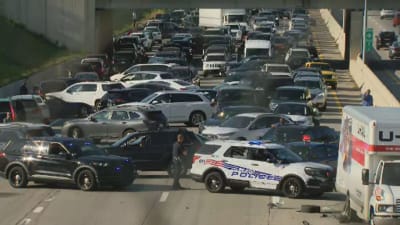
column 244, row 88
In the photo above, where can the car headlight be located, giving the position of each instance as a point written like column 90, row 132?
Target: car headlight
column 221, row 114
column 100, row 164
column 315, row 172
column 385, row 208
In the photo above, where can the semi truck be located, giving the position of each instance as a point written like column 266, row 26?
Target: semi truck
column 368, row 170
column 219, row 17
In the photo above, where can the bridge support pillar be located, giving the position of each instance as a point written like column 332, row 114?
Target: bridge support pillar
column 103, row 31
column 355, row 33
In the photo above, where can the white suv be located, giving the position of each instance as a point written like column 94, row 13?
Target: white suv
column 85, row 92
column 214, row 63
column 187, row 107
column 241, row 164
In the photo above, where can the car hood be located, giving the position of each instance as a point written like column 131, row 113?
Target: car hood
column 57, row 94
column 315, row 91
column 215, row 62
column 298, row 118
column 302, row 165
column 216, row 130
column 212, row 122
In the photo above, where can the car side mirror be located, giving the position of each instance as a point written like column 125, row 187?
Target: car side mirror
column 93, row 119
column 365, row 176
column 155, row 102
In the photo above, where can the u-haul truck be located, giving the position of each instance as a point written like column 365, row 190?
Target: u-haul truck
column 368, row 169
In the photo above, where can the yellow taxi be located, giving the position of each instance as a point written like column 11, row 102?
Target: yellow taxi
column 328, row 73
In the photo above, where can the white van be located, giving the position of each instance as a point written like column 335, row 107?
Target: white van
column 257, row 47
column 369, row 163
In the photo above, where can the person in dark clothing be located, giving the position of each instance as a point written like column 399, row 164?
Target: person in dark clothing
column 367, row 99
column 23, row 90
column 178, row 154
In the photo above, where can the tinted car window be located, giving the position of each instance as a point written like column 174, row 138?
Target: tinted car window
column 185, row 98
column 208, row 149
column 5, row 107
column 120, row 115
column 28, row 103
column 237, row 152
column 107, row 87
column 133, row 115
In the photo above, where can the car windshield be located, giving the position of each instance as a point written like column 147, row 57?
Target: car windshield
column 308, row 83
column 215, row 58
column 300, row 54
column 285, row 155
column 293, row 109
column 321, row 66
column 290, row 95
column 149, row 98
column 257, row 51
column 278, row 69
column 237, row 122
column 390, row 174
column 83, row 148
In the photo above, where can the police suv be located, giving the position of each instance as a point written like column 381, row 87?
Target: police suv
column 254, row 164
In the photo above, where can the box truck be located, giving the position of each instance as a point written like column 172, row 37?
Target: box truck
column 220, row 17
column 368, row 170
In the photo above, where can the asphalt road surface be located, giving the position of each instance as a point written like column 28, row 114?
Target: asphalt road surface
column 150, row 201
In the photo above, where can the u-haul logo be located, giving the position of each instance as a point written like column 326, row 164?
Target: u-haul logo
column 388, row 136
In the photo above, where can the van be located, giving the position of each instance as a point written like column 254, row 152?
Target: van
column 25, row 108
column 257, row 47
column 369, row 163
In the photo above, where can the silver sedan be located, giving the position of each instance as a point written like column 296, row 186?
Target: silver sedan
column 108, row 123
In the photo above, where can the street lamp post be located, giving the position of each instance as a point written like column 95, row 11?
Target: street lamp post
column 364, row 30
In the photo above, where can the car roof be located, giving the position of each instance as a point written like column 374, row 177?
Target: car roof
column 306, row 78
column 261, row 145
column 277, row 64
column 255, row 114
column 127, row 90
column 291, row 88
column 236, row 87
column 215, row 54
column 178, row 92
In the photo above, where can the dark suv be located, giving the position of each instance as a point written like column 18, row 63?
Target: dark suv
column 125, row 95
column 152, row 150
column 385, row 39
column 50, row 160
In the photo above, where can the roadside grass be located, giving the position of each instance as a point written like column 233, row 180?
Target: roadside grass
column 23, row 53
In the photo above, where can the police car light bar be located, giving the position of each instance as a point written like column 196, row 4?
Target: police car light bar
column 256, row 142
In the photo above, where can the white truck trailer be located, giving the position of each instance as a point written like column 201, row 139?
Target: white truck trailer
column 368, row 170
column 219, row 17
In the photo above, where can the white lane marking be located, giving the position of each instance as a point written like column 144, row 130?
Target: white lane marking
column 38, row 209
column 164, row 196
column 25, row 221
column 49, row 199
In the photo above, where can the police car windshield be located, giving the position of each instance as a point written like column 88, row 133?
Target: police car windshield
column 237, row 122
column 390, row 174
column 285, row 155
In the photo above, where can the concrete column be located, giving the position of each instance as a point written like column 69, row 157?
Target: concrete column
column 346, row 29
column 103, row 30
column 356, row 25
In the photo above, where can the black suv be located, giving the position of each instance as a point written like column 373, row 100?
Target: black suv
column 121, row 96
column 50, row 160
column 385, row 39
column 152, row 150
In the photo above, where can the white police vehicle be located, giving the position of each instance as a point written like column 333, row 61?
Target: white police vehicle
column 254, row 164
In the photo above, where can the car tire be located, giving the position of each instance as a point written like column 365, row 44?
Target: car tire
column 97, row 105
column 75, row 132
column 86, row 180
column 127, row 131
column 196, row 118
column 292, row 187
column 171, row 170
column 310, row 208
column 214, row 182
column 17, row 177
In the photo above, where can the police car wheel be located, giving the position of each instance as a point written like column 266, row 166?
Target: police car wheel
column 292, row 187
column 214, row 182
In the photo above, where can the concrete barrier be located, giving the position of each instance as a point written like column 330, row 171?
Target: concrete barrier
column 335, row 29
column 365, row 78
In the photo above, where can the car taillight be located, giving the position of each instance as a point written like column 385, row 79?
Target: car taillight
column 13, row 114
column 119, row 100
column 2, row 155
column 306, row 138
column 195, row 158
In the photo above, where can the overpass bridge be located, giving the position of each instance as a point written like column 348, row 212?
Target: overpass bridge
column 87, row 24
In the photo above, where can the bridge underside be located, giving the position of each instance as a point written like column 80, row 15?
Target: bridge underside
column 310, row 4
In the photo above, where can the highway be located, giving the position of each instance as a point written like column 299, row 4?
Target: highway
column 387, row 70
column 150, row 201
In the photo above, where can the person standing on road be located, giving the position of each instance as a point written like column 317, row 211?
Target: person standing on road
column 367, row 99
column 134, row 19
column 178, row 154
column 23, row 90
